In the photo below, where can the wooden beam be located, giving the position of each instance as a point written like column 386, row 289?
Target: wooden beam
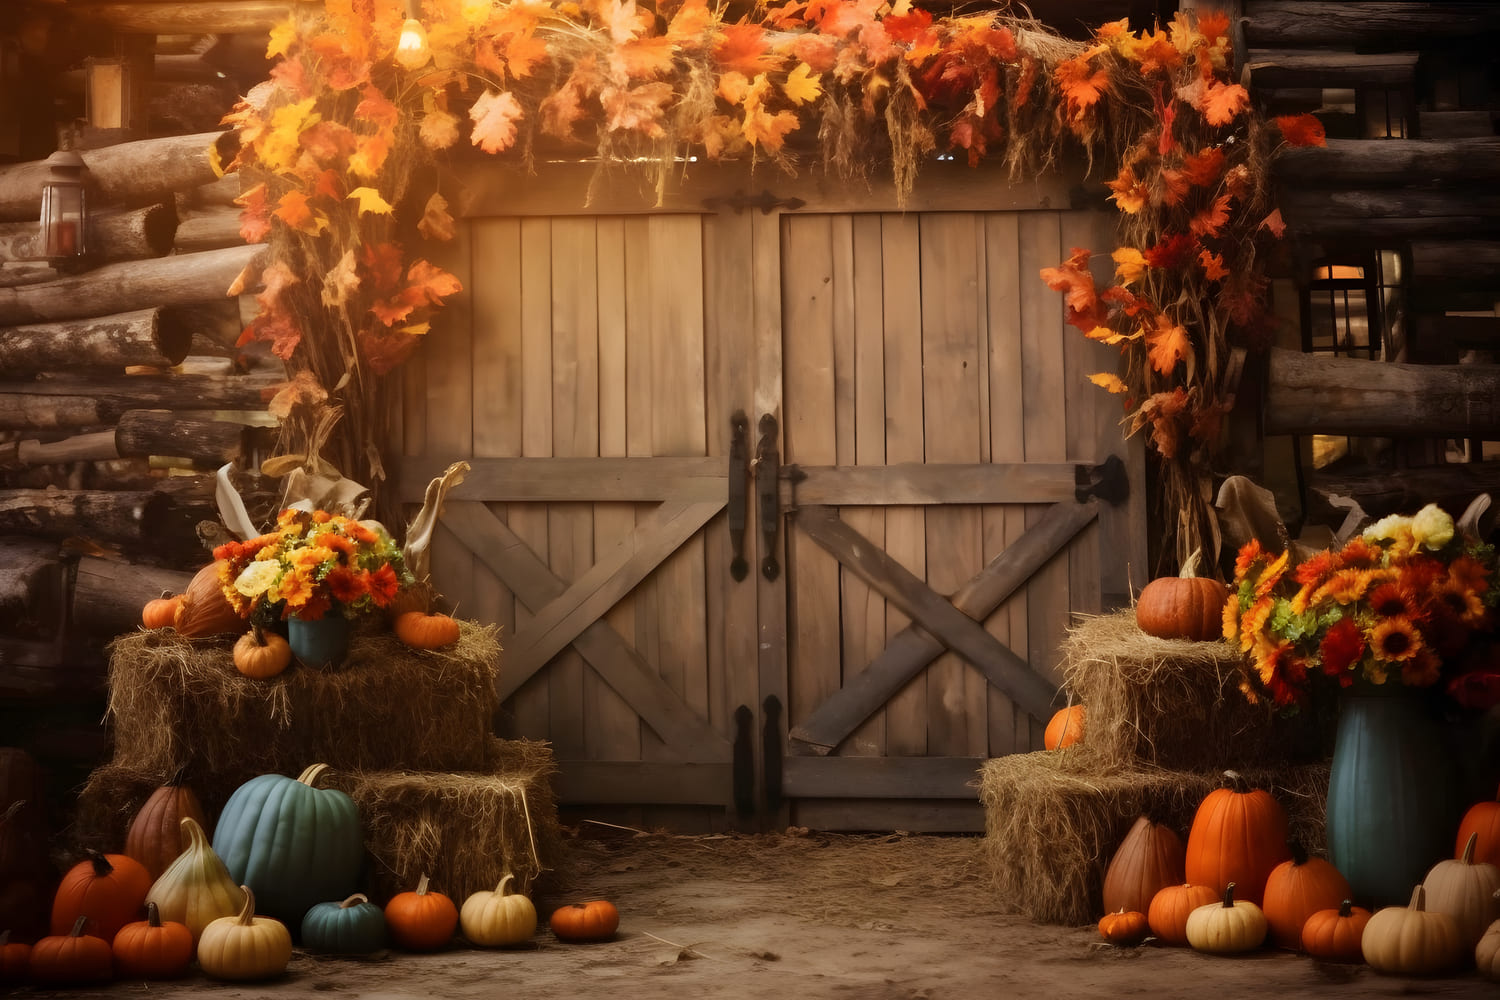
column 108, row 594
column 915, row 483
column 1465, row 124
column 636, row 783
column 1389, row 213
column 613, row 659
column 1314, row 394
column 1375, row 162
column 118, row 341
column 125, row 175
column 209, row 229
column 140, row 284
column 1348, row 23
column 132, row 234
column 30, row 587
column 1405, row 491
column 86, row 402
column 913, row 648
column 564, row 479
column 1329, row 68
column 98, row 446
column 130, row 518
column 950, row 626
column 165, row 17
column 881, row 777
column 207, row 443
column 556, row 625
column 1472, row 262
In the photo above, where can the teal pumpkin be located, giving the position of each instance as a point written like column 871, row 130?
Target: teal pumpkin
column 293, row 844
column 354, row 927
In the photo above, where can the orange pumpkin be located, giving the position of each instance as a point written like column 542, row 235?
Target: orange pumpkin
column 1334, row 935
column 14, row 959
column 1127, row 927
column 204, row 610
column 1170, row 908
column 1295, row 890
column 421, row 919
column 1064, row 729
column 153, row 949
column 71, row 959
column 1149, row 859
column 155, row 835
column 1482, row 820
column 420, row 630
column 108, row 889
column 161, row 612
column 596, row 920
column 1238, row 835
column 1186, row 606
column 260, row 654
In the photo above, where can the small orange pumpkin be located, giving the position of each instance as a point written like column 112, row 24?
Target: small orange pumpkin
column 1334, row 935
column 1483, row 820
column 15, row 957
column 261, row 654
column 161, row 612
column 421, row 919
column 1124, row 927
column 596, row 920
column 1295, row 890
column 71, row 959
column 1064, row 729
column 421, row 630
column 1186, row 606
column 153, row 949
column 1170, row 909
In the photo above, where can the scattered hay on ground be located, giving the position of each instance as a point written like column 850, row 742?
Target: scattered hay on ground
column 179, row 704
column 1170, row 702
column 1054, row 819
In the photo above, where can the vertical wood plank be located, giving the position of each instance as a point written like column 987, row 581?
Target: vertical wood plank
column 905, row 531
column 1082, row 412
column 1004, row 524
column 449, row 408
column 496, row 385
column 1046, row 436
column 529, row 521
column 575, row 434
column 613, row 731
column 809, row 296
column 863, row 608
column 951, row 374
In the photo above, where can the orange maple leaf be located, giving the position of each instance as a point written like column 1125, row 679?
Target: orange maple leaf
column 377, row 109
column 293, row 209
column 330, row 185
column 638, row 109
column 1130, row 195
column 1162, row 410
column 1081, row 85
column 1213, row 24
column 561, row 109
column 1167, row 345
column 382, row 262
column 744, row 48
column 1174, row 187
column 255, row 214
column 278, row 328
column 820, row 52
column 1209, row 221
column 761, row 128
column 385, row 350
column 1082, row 300
column 1203, row 167
column 1302, row 130
column 645, row 57
column 1223, row 102
column 1213, row 264
column 370, row 155
column 690, row 24
column 436, row 222
column 495, row 114
column 432, row 282
column 1274, row 223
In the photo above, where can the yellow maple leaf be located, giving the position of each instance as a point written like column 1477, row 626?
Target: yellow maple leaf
column 802, row 85
column 415, row 330
column 1130, row 265
column 283, row 34
column 279, row 146
column 369, row 155
column 369, row 201
column 1105, row 335
column 1168, row 344
column 1106, row 380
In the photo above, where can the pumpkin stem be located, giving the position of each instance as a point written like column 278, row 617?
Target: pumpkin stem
column 1235, row 782
column 1418, row 898
column 1229, row 896
column 1467, row 857
column 193, row 832
column 1299, row 853
column 259, row 632
column 79, row 925
column 354, row 900
column 153, row 914
column 311, row 774
column 422, row 885
column 102, row 867
column 1346, row 909
column 4, row 938
column 1190, row 564
column 501, row 890
column 247, row 911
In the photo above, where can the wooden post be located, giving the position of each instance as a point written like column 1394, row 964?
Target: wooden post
column 209, row 230
column 210, row 443
column 108, row 594
column 91, row 402
column 134, row 338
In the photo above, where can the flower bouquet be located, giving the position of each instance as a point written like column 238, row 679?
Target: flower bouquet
column 313, row 563
column 1410, row 601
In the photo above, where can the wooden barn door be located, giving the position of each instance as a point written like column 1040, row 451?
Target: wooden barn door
column 943, row 439
column 723, row 454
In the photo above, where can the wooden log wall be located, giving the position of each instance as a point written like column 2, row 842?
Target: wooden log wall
column 1425, row 191
column 121, row 391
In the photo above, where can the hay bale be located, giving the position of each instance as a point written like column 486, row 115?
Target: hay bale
column 464, row 829
column 1171, row 702
column 179, row 704
column 1054, row 819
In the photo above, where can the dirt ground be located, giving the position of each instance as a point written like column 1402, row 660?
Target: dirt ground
column 805, row 915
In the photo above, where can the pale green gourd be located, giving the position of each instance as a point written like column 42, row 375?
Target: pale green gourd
column 196, row 889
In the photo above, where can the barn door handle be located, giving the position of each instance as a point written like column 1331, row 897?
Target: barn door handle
column 1107, row 481
column 739, row 489
column 767, row 469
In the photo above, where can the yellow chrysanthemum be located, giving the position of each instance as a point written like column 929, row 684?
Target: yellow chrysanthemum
column 1253, row 622
column 1231, row 617
column 257, row 578
column 1432, row 527
column 1344, row 587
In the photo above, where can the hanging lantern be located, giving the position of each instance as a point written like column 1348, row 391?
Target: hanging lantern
column 411, row 48
column 63, row 214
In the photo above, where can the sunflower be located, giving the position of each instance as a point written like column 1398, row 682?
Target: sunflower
column 1393, row 600
column 1395, row 640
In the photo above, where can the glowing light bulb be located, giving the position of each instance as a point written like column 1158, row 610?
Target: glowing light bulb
column 411, row 49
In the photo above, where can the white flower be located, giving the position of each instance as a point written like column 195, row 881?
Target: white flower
column 257, row 578
column 1432, row 527
column 1387, row 527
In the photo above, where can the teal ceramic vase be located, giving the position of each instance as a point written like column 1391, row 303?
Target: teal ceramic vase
column 321, row 643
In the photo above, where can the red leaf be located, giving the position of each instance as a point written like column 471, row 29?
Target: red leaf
column 383, row 263
column 1301, row 130
column 1209, row 221
column 376, row 108
column 908, row 27
column 1172, row 251
column 255, row 214
column 1203, row 167
column 1274, row 223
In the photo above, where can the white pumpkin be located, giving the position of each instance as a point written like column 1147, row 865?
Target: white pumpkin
column 498, row 918
column 1465, row 890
